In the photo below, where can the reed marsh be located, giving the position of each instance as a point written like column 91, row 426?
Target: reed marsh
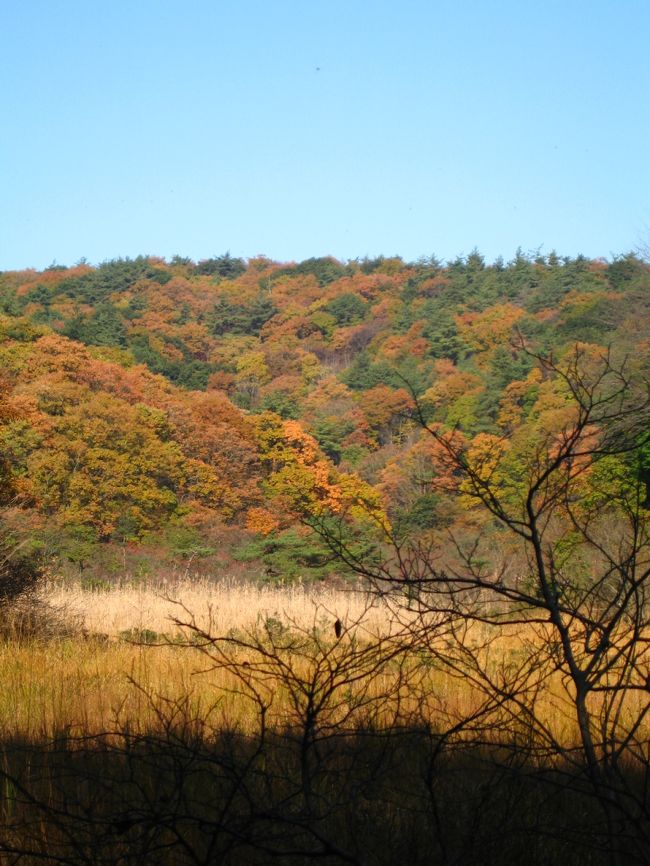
column 231, row 724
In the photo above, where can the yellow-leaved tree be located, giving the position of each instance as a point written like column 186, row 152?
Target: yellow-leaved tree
column 307, row 497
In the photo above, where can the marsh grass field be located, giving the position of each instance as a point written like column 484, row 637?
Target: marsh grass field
column 136, row 735
column 123, row 647
column 122, row 643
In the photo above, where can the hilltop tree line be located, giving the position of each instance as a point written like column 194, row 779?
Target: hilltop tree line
column 172, row 405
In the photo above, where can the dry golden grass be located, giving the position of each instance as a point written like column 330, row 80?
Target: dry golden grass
column 215, row 607
column 105, row 676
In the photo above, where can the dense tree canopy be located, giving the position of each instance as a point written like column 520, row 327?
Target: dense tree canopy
column 137, row 396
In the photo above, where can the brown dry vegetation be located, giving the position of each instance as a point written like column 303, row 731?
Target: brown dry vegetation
column 224, row 723
column 132, row 648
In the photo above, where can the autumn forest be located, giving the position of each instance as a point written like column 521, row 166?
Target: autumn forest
column 173, row 409
column 444, row 465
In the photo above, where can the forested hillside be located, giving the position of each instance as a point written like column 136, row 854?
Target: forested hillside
column 158, row 413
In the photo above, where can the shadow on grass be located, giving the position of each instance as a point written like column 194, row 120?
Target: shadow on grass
column 396, row 796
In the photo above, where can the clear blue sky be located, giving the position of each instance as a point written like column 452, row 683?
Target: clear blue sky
column 299, row 128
